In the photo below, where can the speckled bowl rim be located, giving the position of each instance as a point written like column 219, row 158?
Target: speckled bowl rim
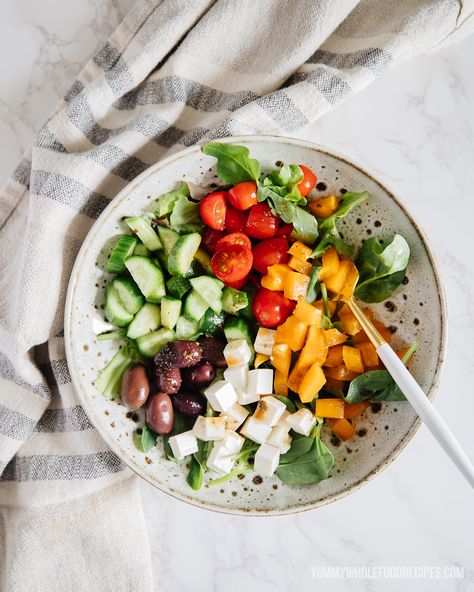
column 85, row 400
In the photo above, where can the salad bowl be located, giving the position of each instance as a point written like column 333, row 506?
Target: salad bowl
column 414, row 312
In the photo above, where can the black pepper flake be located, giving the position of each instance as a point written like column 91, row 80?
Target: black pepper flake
column 321, row 186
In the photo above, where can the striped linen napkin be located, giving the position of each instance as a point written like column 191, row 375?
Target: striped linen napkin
column 174, row 73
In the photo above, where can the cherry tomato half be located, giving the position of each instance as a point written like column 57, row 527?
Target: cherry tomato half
column 308, row 182
column 243, row 195
column 285, row 230
column 271, row 308
column 235, row 238
column 235, row 219
column 213, row 208
column 232, row 263
column 261, row 222
column 239, row 284
column 210, row 238
column 270, row 252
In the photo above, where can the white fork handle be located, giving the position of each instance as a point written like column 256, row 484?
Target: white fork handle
column 427, row 412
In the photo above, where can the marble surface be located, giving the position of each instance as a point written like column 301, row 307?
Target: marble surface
column 414, row 129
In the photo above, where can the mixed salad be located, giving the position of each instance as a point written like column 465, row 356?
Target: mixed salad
column 234, row 341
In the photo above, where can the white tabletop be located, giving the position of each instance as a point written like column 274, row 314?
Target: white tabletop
column 414, row 129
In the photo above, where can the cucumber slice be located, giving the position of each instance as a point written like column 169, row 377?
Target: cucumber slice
column 210, row 289
column 168, row 238
column 186, row 329
column 237, row 328
column 195, row 306
column 211, row 323
column 148, row 277
column 140, row 249
column 204, row 261
column 112, row 335
column 162, row 259
column 182, row 253
column 233, row 300
column 170, row 311
column 128, row 294
column 151, row 343
column 247, row 312
column 147, row 319
column 140, row 225
column 124, row 247
column 177, row 286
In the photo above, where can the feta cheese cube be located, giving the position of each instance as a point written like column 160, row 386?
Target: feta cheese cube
column 235, row 416
column 282, row 421
column 264, row 341
column 260, row 382
column 221, row 395
column 266, row 460
column 209, row 428
column 237, row 352
column 303, row 421
column 269, row 410
column 232, row 441
column 237, row 376
column 280, row 438
column 220, row 460
column 183, row 444
column 246, row 398
column 256, row 430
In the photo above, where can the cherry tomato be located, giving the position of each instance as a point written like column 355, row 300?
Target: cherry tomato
column 271, row 308
column 284, row 230
column 235, row 219
column 210, row 238
column 232, row 263
column 308, row 182
column 270, row 252
column 261, row 222
column 212, row 209
column 239, row 284
column 235, row 238
column 243, row 195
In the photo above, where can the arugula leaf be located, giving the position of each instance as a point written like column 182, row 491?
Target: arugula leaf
column 284, row 182
column 381, row 268
column 185, row 215
column 164, row 204
column 309, row 460
column 313, row 286
column 329, row 233
column 144, row 441
column 305, row 225
column 234, row 164
column 376, row 385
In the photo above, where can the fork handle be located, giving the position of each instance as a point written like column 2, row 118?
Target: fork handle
column 427, row 412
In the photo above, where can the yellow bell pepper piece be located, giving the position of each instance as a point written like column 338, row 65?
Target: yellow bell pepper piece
column 330, row 408
column 319, row 304
column 335, row 282
column 369, row 353
column 343, row 429
column 352, row 359
column 352, row 410
column 341, row 373
column 330, row 264
column 312, row 383
column 300, row 250
column 315, row 349
column 276, row 276
column 296, row 376
column 260, row 359
column 280, row 384
column 307, row 313
column 334, row 337
column 293, row 332
column 300, row 265
column 324, row 206
column 272, row 283
column 281, row 358
column 296, row 285
column 334, row 357
column 350, row 323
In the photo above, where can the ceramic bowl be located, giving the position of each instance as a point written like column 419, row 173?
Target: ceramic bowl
column 417, row 311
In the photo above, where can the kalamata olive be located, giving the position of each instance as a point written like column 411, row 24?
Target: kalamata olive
column 181, row 354
column 168, row 380
column 135, row 386
column 159, row 414
column 189, row 404
column 213, row 351
column 198, row 376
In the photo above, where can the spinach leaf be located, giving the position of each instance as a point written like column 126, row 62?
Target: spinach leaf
column 376, row 385
column 234, row 164
column 329, row 233
column 165, row 203
column 185, row 215
column 305, row 225
column 145, row 440
column 198, row 465
column 290, row 406
column 313, row 286
column 309, row 460
column 381, row 268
